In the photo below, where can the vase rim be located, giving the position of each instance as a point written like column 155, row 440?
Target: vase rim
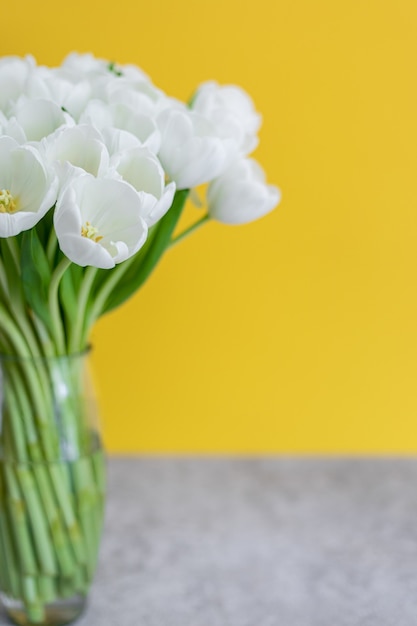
column 10, row 358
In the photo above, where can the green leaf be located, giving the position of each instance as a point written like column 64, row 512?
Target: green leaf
column 36, row 275
column 44, row 227
column 148, row 257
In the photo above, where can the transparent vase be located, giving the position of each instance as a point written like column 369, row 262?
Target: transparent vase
column 52, row 488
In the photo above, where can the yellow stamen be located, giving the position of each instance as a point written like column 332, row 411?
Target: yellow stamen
column 90, row 232
column 8, row 204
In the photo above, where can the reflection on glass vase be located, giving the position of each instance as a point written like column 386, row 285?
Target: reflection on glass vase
column 52, row 488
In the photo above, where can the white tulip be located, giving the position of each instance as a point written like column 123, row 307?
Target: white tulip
column 67, row 89
column 118, row 140
column 98, row 114
column 14, row 73
column 143, row 171
column 12, row 128
column 81, row 146
column 141, row 125
column 140, row 95
column 39, row 117
column 190, row 152
column 231, row 111
column 103, row 115
column 241, row 195
column 89, row 64
column 19, row 77
column 28, row 188
column 98, row 221
column 85, row 63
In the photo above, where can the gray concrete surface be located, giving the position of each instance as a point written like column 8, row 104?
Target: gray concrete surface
column 258, row 542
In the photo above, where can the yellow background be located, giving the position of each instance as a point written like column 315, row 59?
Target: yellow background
column 297, row 332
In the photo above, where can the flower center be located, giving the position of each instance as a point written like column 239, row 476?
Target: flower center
column 8, row 204
column 90, row 232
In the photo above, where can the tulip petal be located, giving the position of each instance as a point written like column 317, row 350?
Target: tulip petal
column 31, row 185
column 82, row 146
column 190, row 151
column 98, row 221
column 39, row 118
column 241, row 195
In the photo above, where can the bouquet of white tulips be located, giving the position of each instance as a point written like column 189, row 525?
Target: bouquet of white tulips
column 96, row 164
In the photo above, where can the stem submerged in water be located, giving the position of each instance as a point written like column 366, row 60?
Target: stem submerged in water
column 54, row 305
column 50, row 495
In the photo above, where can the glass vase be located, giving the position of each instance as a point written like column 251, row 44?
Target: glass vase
column 51, row 488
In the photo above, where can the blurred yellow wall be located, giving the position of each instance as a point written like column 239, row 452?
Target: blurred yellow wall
column 298, row 332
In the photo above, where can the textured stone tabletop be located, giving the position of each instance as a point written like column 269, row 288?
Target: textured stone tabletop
column 258, row 542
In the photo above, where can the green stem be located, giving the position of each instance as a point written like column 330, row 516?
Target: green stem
column 43, row 336
column 13, row 295
column 51, row 247
column 105, row 291
column 25, row 482
column 6, row 534
column 3, row 283
column 20, row 347
column 53, row 509
column 36, row 383
column 12, row 332
column 76, row 330
column 52, row 488
column 53, row 302
column 14, row 251
column 38, row 520
column 18, row 514
column 189, row 230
